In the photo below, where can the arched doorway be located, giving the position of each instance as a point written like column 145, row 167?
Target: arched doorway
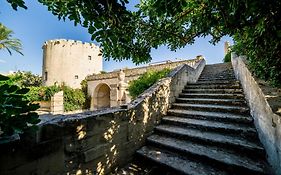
column 102, row 96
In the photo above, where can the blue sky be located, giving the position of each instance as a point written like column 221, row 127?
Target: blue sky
column 36, row 25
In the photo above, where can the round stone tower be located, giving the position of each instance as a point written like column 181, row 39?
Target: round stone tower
column 69, row 62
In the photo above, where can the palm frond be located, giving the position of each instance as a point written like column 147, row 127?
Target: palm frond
column 8, row 42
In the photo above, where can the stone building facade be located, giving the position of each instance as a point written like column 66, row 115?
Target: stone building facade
column 69, row 62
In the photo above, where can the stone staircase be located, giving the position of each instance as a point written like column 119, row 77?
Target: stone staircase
column 208, row 130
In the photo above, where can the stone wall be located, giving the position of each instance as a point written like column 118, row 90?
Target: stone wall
column 95, row 142
column 268, row 123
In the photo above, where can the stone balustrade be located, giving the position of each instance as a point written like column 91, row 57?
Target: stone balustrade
column 141, row 70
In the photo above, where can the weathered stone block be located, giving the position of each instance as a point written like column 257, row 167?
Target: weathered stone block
column 95, row 153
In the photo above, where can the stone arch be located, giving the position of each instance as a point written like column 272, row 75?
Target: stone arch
column 101, row 97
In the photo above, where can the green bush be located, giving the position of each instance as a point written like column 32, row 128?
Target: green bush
column 138, row 86
column 42, row 93
column 84, row 88
column 50, row 91
column 16, row 111
column 73, row 98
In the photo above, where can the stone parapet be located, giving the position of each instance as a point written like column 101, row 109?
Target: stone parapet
column 268, row 123
column 69, row 42
column 95, row 142
column 141, row 70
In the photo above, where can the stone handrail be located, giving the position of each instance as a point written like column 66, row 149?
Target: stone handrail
column 141, row 70
column 268, row 123
column 96, row 142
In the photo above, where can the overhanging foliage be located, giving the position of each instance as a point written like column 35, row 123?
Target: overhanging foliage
column 122, row 34
column 16, row 112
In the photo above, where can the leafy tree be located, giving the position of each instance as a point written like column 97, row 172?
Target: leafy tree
column 254, row 25
column 16, row 112
column 25, row 79
column 7, row 42
column 17, row 3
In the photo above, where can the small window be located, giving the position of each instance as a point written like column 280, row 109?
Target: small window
column 76, row 76
column 46, row 76
column 89, row 57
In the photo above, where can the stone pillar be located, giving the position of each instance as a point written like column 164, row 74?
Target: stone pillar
column 57, row 103
column 226, row 47
column 113, row 95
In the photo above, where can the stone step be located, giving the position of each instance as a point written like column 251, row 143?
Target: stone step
column 242, row 145
column 216, row 82
column 216, row 78
column 211, row 95
column 139, row 168
column 234, row 102
column 217, row 126
column 178, row 163
column 211, row 107
column 218, row 91
column 216, row 116
column 230, row 75
column 213, row 86
column 218, row 156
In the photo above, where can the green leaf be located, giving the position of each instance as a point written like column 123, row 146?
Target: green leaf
column 4, row 78
column 22, row 91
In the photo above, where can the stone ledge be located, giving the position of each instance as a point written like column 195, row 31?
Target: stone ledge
column 140, row 70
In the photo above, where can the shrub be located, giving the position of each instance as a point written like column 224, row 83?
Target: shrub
column 50, row 91
column 42, row 93
column 138, row 86
column 84, row 88
column 16, row 111
column 73, row 98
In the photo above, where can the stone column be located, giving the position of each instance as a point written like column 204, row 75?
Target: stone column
column 113, row 95
column 226, row 47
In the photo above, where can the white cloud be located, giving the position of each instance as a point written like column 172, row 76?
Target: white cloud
column 2, row 61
